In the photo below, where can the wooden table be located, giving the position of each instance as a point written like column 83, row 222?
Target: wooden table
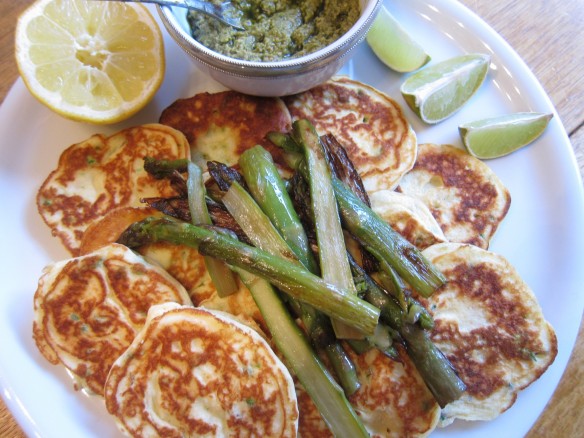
column 549, row 36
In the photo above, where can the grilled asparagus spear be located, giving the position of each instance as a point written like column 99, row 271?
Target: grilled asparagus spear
column 292, row 279
column 269, row 190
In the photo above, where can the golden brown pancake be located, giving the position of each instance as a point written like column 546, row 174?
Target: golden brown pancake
column 221, row 126
column 103, row 173
column 393, row 400
column 109, row 228
column 369, row 125
column 196, row 372
column 240, row 303
column 88, row 309
column 490, row 326
column 464, row 195
column 408, row 216
column 182, row 262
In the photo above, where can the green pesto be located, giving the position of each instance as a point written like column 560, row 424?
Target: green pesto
column 277, row 29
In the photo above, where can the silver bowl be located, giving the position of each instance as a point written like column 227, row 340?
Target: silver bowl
column 276, row 78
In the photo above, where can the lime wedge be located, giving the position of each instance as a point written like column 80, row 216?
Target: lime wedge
column 393, row 45
column 438, row 91
column 499, row 136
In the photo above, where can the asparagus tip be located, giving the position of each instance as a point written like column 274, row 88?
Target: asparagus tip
column 138, row 233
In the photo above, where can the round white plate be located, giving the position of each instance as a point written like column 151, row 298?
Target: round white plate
column 542, row 235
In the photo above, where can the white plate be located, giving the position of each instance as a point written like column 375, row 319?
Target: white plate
column 542, row 235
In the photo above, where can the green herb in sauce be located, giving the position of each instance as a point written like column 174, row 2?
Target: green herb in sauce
column 277, row 29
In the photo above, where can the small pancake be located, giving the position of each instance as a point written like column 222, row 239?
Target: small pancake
column 109, row 228
column 103, row 173
column 368, row 124
column 240, row 303
column 196, row 372
column 182, row 262
column 221, row 126
column 393, row 400
column 490, row 326
column 88, row 309
column 464, row 195
column 408, row 216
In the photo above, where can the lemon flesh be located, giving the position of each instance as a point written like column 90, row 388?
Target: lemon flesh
column 98, row 62
column 438, row 91
column 499, row 136
column 393, row 45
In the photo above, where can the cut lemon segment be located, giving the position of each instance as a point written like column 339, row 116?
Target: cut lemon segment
column 98, row 62
column 438, row 91
column 393, row 45
column 499, row 136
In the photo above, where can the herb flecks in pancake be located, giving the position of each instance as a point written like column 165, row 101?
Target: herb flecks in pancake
column 369, row 124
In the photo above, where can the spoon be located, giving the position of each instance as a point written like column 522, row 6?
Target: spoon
column 224, row 12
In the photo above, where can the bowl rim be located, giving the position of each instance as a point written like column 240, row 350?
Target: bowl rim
column 309, row 62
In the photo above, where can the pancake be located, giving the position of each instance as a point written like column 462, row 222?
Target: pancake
column 196, row 372
column 408, row 216
column 240, row 304
column 111, row 225
column 490, row 326
column 102, row 173
column 392, row 401
column 221, row 126
column 464, row 195
column 182, row 262
column 368, row 124
column 88, row 310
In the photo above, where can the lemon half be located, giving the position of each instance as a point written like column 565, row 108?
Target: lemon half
column 98, row 62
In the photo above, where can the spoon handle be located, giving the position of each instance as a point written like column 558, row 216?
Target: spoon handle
column 180, row 3
column 205, row 7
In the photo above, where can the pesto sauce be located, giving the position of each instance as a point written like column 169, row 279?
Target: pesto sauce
column 277, row 29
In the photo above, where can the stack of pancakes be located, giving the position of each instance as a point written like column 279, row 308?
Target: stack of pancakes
column 444, row 201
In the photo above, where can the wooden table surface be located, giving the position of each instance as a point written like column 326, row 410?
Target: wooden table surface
column 549, row 36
